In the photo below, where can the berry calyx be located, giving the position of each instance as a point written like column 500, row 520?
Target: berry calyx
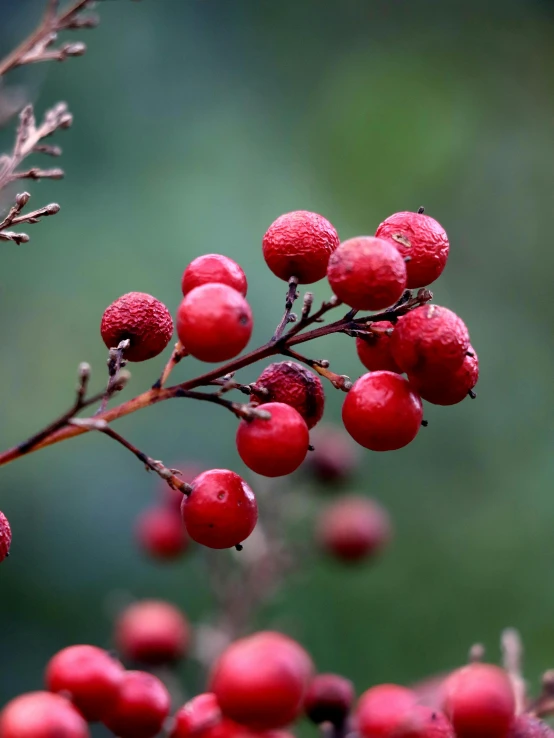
column 160, row 532
column 142, row 319
column 353, row 528
column 214, row 322
column 221, row 510
column 89, row 675
column 367, row 273
column 382, row 412
column 294, row 385
column 5, row 537
column 152, row 632
column 276, row 446
column 196, row 716
column 299, row 244
column 211, row 268
column 374, row 349
column 382, row 709
column 447, row 387
column 421, row 238
column 142, row 705
column 335, row 456
column 430, row 338
column 41, row 715
column 329, row 699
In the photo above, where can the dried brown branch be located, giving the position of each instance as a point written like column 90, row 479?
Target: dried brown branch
column 14, row 218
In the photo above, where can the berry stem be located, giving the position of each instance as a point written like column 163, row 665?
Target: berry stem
column 292, row 294
column 116, row 362
column 179, row 353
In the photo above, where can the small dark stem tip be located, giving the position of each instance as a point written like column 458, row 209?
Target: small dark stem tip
column 239, row 547
column 472, row 394
column 425, row 423
column 421, row 210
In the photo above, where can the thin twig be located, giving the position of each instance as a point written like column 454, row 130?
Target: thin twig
column 292, row 294
column 117, row 380
column 179, row 353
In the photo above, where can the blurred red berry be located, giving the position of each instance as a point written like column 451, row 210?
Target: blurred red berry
column 367, row 273
column 211, row 268
column 382, row 412
column 421, row 721
column 5, row 537
column 89, row 675
column 374, row 350
column 329, row 699
column 382, row 709
column 214, row 322
column 142, row 705
column 294, row 385
column 528, row 726
column 161, row 533
column 152, row 632
column 335, row 456
column 221, row 510
column 353, row 528
column 142, row 319
column 173, row 498
column 299, row 244
column 196, row 716
column 479, row 701
column 41, row 715
column 277, row 446
column 430, row 338
column 447, row 387
column 421, row 238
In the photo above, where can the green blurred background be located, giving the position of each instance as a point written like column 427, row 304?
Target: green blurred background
column 197, row 123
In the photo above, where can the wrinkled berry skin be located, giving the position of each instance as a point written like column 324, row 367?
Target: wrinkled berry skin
column 5, row 537
column 152, row 632
column 160, row 532
column 299, row 244
column 214, row 322
column 367, row 273
column 145, row 321
column 447, row 387
column 214, row 268
column 41, row 715
column 382, row 412
column 353, row 528
column 381, row 710
column 329, row 699
column 527, row 726
column 142, row 705
column 89, row 675
column 221, row 510
column 295, row 385
column 374, row 350
column 430, row 338
column 196, row 716
column 421, row 238
column 277, row 446
column 335, row 456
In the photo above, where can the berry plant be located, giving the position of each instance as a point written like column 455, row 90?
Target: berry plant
column 259, row 684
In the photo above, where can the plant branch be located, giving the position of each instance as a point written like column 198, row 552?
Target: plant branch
column 292, row 294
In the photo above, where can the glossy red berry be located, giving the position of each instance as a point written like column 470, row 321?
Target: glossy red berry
column 367, row 273
column 479, row 701
column 142, row 319
column 142, row 705
column 196, row 716
column 374, row 349
column 329, row 699
column 430, row 338
column 353, row 528
column 276, row 446
column 41, row 715
column 5, row 537
column 335, row 456
column 214, row 322
column 211, row 268
column 447, row 387
column 299, row 244
column 260, row 681
column 161, row 534
column 89, row 676
column 382, row 709
column 221, row 510
column 382, row 412
column 294, row 385
column 422, row 239
column 421, row 721
column 527, row 726
column 152, row 632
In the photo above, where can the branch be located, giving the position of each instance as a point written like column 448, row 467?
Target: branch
column 292, row 294
column 13, row 218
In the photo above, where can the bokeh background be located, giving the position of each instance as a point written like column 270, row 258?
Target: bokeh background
column 197, row 123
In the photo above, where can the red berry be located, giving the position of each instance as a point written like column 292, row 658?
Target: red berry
column 367, row 273
column 142, row 706
column 430, row 338
column 211, row 268
column 277, row 446
column 329, row 698
column 142, row 319
column 152, row 632
column 90, row 676
column 294, row 385
column 382, row 412
column 421, row 721
column 353, row 528
column 374, row 350
column 381, row 710
column 479, row 701
column 447, row 387
column 161, row 533
column 173, row 498
column 196, row 716
column 214, row 322
column 334, row 458
column 423, row 240
column 299, row 244
column 260, row 681
column 5, row 537
column 221, row 510
column 41, row 715
column 527, row 726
